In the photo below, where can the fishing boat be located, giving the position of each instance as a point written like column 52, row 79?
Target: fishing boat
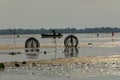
column 54, row 35
column 51, row 35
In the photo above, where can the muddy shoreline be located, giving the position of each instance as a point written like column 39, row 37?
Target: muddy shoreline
column 68, row 61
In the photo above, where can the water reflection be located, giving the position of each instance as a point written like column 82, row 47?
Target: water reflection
column 32, row 56
column 1, row 71
column 32, row 53
column 32, row 50
column 71, row 52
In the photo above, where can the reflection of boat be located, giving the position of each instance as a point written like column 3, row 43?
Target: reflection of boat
column 54, row 35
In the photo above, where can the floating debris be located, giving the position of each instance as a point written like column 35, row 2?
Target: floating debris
column 16, row 64
column 23, row 62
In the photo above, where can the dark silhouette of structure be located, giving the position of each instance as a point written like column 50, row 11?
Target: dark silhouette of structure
column 32, row 45
column 71, row 41
column 54, row 35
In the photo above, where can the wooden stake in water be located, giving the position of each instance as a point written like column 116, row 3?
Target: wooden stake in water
column 55, row 47
column 54, row 33
column 14, row 39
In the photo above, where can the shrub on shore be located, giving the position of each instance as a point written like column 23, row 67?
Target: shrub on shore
column 2, row 65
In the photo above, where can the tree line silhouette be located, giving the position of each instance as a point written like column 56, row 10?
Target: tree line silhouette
column 66, row 30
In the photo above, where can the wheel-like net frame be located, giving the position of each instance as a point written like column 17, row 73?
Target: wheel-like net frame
column 71, row 41
column 32, row 45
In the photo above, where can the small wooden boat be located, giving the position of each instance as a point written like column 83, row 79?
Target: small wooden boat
column 51, row 35
column 54, row 35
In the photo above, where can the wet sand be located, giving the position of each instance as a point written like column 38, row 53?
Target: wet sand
column 69, row 61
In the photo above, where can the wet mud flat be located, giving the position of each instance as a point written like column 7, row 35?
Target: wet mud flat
column 69, row 61
column 87, row 66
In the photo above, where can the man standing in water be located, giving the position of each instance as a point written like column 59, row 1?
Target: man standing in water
column 113, row 36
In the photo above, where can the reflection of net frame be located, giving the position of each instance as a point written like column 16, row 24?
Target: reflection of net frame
column 71, row 52
column 71, row 41
column 32, row 56
column 31, row 50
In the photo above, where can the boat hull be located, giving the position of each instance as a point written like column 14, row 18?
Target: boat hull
column 51, row 36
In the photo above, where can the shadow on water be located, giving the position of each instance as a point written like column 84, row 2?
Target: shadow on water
column 71, row 52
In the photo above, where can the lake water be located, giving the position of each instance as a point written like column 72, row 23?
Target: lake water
column 101, row 46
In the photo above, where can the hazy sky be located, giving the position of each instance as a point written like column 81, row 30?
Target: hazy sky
column 59, row 13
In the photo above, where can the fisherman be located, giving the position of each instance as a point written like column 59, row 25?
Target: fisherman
column 54, row 33
column 112, row 34
column 97, row 35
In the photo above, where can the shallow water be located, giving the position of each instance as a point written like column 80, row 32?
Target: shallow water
column 97, row 71
column 26, row 77
column 60, row 53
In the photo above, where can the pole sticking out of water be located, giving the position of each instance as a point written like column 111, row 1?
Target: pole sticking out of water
column 55, row 47
column 54, row 33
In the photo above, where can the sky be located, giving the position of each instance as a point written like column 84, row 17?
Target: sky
column 36, row 14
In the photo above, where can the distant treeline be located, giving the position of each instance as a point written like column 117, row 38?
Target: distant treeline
column 66, row 30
